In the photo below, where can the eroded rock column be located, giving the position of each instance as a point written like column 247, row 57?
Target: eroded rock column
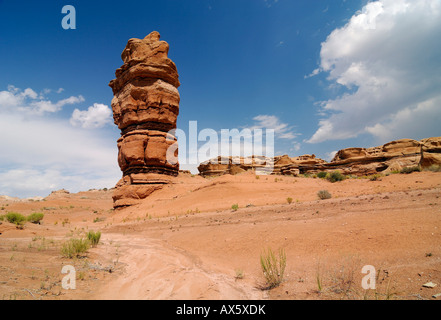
column 145, row 108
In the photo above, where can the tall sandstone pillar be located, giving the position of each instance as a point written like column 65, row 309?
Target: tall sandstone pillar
column 145, row 108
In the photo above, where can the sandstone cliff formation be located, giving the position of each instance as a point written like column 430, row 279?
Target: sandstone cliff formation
column 393, row 156
column 145, row 108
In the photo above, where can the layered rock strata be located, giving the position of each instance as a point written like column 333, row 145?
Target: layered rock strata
column 145, row 108
column 393, row 156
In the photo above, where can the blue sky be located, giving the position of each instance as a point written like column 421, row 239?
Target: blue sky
column 326, row 74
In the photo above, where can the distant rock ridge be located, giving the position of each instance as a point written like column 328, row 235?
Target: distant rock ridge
column 392, row 156
column 145, row 108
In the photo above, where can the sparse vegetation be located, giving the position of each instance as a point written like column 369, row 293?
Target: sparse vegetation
column 235, row 207
column 324, row 194
column 16, row 218
column 75, row 248
column 273, row 267
column 65, row 221
column 374, row 177
column 434, row 168
column 239, row 274
column 409, row 170
column 319, row 280
column 98, row 219
column 289, row 200
column 94, row 237
column 35, row 217
column 322, row 175
column 335, row 176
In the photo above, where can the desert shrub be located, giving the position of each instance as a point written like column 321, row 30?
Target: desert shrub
column 374, row 177
column 335, row 176
column 94, row 237
column 35, row 217
column 408, row 170
column 239, row 274
column 434, row 168
column 322, row 174
column 235, row 207
column 16, row 218
column 324, row 194
column 289, row 200
column 75, row 248
column 273, row 267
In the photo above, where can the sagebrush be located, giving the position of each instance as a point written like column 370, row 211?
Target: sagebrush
column 324, row 194
column 335, row 176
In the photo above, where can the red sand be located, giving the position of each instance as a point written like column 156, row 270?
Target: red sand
column 185, row 241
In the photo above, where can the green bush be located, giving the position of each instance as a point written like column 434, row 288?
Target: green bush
column 273, row 267
column 16, row 218
column 322, row 174
column 434, row 168
column 289, row 200
column 408, row 170
column 75, row 248
column 324, row 194
column 235, row 207
column 94, row 237
column 375, row 177
column 35, row 217
column 335, row 176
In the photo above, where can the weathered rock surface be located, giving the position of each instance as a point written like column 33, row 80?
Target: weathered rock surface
column 234, row 165
column 145, row 108
column 430, row 152
column 393, row 156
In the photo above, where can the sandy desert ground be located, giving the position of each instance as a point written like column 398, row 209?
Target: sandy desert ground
column 186, row 242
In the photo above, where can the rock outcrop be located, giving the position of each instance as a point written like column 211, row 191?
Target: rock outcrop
column 393, row 156
column 430, row 152
column 145, row 108
column 234, row 165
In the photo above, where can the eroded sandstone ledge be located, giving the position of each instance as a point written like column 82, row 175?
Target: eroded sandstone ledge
column 393, row 156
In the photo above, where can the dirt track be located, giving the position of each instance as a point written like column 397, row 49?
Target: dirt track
column 185, row 241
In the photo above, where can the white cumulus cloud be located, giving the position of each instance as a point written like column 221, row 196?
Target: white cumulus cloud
column 95, row 116
column 388, row 58
column 40, row 154
column 28, row 102
column 282, row 130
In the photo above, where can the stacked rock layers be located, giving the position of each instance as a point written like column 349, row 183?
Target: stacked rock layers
column 145, row 108
column 393, row 156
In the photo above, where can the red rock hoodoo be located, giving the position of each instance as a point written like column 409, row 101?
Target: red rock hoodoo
column 145, row 108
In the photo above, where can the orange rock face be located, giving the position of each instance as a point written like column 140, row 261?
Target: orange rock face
column 145, row 108
column 393, row 156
